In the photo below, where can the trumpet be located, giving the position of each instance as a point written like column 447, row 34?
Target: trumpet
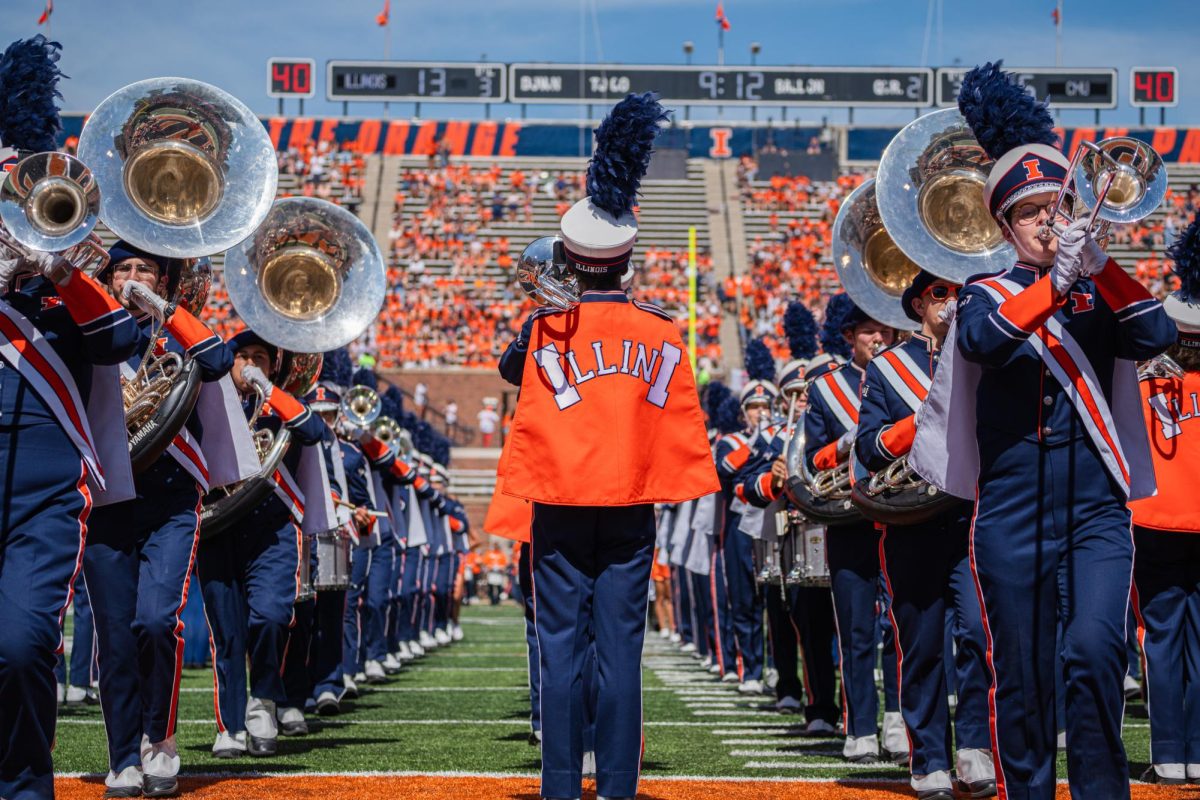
column 1161, row 366
column 544, row 275
column 361, row 406
column 398, row 440
column 1120, row 179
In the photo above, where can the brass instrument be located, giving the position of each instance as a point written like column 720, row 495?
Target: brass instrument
column 361, row 406
column 929, row 190
column 1161, row 366
column 1120, row 179
column 184, row 169
column 311, row 276
column 163, row 390
column 398, row 440
column 871, row 268
column 544, row 275
column 824, row 497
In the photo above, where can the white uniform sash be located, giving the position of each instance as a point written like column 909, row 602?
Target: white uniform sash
column 904, row 376
column 288, row 491
column 946, row 450
column 840, row 397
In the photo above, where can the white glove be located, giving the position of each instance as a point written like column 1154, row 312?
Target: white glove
column 9, row 269
column 946, row 315
column 1093, row 257
column 1068, row 261
column 146, row 300
column 255, row 377
column 846, row 441
column 51, row 265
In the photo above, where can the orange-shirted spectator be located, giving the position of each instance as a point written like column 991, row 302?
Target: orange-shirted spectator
column 495, row 566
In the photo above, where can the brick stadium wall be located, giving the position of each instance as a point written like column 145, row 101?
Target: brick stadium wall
column 467, row 387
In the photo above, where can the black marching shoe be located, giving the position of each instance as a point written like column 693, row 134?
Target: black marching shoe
column 262, row 747
column 123, row 791
column 1151, row 776
column 154, row 786
column 935, row 794
column 977, row 790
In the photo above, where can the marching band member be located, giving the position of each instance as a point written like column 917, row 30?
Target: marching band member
column 830, row 423
column 1032, row 413
column 140, row 553
column 743, row 523
column 926, row 567
column 249, row 574
column 56, row 323
column 84, row 677
column 606, row 426
column 362, row 625
column 1166, row 597
column 803, row 617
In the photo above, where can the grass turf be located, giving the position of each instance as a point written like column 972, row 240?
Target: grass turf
column 465, row 709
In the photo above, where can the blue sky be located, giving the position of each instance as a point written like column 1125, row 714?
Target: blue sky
column 108, row 43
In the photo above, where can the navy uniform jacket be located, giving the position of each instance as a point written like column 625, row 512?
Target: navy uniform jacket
column 307, row 429
column 821, row 425
column 213, row 360
column 1110, row 317
column 882, row 406
column 107, row 337
column 355, row 465
column 753, row 482
column 512, row 361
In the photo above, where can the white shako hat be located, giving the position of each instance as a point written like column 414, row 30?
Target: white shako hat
column 598, row 232
column 1017, row 131
column 1183, row 305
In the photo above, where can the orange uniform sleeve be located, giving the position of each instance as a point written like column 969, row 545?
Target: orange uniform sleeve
column 826, row 457
column 898, row 439
column 85, row 299
column 187, row 329
column 287, row 407
column 1118, row 289
column 1032, row 306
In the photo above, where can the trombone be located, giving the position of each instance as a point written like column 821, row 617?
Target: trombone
column 1121, row 179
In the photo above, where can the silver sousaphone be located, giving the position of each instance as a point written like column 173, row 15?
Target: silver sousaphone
column 184, row 168
column 544, row 275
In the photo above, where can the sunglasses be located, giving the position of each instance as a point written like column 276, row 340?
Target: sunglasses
column 939, row 292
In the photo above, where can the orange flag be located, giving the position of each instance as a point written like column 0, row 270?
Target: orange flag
column 381, row 19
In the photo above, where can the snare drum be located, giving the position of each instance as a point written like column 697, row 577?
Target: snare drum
column 766, row 561
column 333, row 561
column 306, row 591
column 805, row 556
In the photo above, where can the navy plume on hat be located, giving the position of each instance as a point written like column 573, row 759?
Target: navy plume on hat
column 714, row 395
column 366, row 377
column 836, row 310
column 729, row 416
column 624, row 144
column 760, row 365
column 800, row 327
column 29, row 77
column 1185, row 252
column 336, row 367
column 393, row 403
column 1001, row 113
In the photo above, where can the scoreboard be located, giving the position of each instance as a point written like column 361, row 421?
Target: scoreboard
column 1154, row 87
column 1064, row 87
column 710, row 85
column 398, row 81
column 291, row 77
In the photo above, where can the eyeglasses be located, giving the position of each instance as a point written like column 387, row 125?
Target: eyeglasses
column 1029, row 213
column 940, row 291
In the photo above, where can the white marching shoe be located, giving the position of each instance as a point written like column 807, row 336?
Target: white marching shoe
column 456, row 633
column 589, row 764
column 730, row 677
column 750, row 687
column 688, row 648
column 861, row 749
column 374, row 672
column 934, row 786
column 895, row 737
column 391, row 664
column 404, row 654
column 262, row 727
column 441, row 636
column 427, row 641
column 976, row 772
column 416, row 649
column 229, row 745
column 291, row 721
column 350, row 688
column 128, row 783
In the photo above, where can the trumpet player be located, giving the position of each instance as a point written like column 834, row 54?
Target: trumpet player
column 926, row 567
column 140, row 553
column 56, row 324
column 830, row 425
column 1038, row 421
column 1166, row 560
column 250, row 573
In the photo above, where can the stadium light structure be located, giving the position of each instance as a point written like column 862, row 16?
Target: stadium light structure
column 688, row 48
column 755, row 49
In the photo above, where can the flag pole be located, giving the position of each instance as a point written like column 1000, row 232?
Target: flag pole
column 1058, row 35
column 720, row 44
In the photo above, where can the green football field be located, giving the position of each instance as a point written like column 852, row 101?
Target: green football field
column 465, row 708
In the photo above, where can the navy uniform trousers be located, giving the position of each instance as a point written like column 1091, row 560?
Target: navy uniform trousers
column 702, row 605
column 682, row 604
column 83, row 641
column 1051, row 538
column 725, row 651
column 148, row 543
column 802, row 636
column 366, row 604
column 858, row 605
column 43, row 522
column 746, row 604
column 1166, row 572
column 525, row 582
column 591, row 569
column 410, row 592
column 929, row 579
column 249, row 576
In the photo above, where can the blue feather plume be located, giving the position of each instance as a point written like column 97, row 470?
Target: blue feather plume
column 624, row 144
column 389, row 406
column 1001, row 113
column 800, row 327
column 729, row 416
column 423, row 434
column 832, row 341
column 714, row 395
column 408, row 420
column 366, row 377
column 1185, row 252
column 336, row 367
column 760, row 365
column 441, row 451
column 29, row 77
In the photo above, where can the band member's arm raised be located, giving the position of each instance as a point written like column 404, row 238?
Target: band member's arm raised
column 880, row 441
column 755, row 486
column 989, row 333
column 1143, row 328
column 512, row 362
column 200, row 343
column 110, row 334
column 306, row 427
